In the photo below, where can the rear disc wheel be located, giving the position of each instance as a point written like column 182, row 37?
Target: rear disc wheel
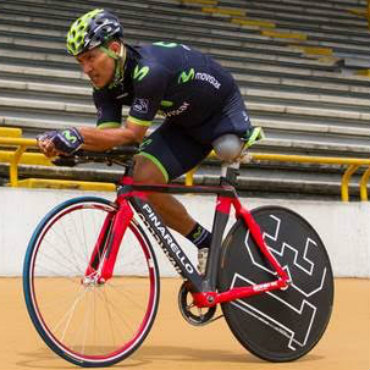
column 286, row 324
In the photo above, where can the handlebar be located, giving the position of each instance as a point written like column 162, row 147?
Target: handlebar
column 119, row 155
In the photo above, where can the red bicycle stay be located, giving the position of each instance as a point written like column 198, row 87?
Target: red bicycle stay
column 91, row 279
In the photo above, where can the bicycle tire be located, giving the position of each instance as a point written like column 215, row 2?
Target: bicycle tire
column 286, row 324
column 38, row 280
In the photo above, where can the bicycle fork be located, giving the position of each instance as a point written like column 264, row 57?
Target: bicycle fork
column 104, row 255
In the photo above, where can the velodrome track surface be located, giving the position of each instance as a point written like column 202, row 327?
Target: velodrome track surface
column 173, row 344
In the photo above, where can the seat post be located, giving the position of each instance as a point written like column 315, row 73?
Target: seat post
column 229, row 173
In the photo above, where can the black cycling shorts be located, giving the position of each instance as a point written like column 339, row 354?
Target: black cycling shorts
column 176, row 149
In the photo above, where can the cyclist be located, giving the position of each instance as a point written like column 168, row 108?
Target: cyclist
column 202, row 105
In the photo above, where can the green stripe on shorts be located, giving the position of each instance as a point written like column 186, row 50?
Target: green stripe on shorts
column 157, row 163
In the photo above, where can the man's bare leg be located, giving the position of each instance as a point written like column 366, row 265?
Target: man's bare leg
column 173, row 213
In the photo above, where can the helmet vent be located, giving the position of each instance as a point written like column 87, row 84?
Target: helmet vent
column 93, row 28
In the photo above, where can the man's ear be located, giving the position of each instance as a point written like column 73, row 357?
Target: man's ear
column 115, row 46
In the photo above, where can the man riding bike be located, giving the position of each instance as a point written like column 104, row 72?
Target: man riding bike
column 201, row 102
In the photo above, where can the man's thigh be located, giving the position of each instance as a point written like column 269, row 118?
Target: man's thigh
column 173, row 151
column 232, row 119
column 146, row 171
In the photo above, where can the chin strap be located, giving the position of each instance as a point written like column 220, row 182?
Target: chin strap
column 120, row 61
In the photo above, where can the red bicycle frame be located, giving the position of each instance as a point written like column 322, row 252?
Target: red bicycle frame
column 133, row 196
column 209, row 299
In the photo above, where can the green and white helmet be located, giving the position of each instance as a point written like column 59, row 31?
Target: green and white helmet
column 91, row 30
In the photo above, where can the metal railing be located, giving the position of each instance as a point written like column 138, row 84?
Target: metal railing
column 20, row 156
column 353, row 164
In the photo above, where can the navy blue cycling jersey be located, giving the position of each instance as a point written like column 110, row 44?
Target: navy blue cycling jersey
column 184, row 85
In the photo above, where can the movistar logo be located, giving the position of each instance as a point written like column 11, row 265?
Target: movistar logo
column 186, row 76
column 197, row 233
column 67, row 134
column 140, row 73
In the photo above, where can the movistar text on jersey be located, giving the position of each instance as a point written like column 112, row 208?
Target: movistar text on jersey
column 208, row 78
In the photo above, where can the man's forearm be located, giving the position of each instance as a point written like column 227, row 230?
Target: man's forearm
column 101, row 140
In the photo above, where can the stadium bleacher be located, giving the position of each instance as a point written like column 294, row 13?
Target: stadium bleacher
column 300, row 67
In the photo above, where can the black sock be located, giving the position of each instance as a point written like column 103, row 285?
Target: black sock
column 200, row 236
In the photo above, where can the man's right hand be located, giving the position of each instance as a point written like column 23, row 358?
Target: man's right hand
column 46, row 145
column 66, row 142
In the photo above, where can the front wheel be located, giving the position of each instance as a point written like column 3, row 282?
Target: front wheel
column 86, row 322
column 286, row 324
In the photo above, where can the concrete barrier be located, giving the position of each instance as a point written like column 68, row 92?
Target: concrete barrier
column 343, row 227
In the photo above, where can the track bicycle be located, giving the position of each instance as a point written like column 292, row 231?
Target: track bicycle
column 91, row 279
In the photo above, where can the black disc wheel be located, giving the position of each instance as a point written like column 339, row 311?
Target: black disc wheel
column 286, row 324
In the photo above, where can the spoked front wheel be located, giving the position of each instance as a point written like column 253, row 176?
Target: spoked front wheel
column 286, row 324
column 87, row 322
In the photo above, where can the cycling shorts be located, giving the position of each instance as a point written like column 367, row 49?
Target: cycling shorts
column 176, row 149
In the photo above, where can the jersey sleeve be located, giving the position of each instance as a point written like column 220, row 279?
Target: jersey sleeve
column 150, row 84
column 109, row 110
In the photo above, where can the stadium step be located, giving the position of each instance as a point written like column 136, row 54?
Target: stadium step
column 290, row 59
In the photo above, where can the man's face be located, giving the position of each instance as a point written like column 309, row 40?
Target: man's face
column 98, row 66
